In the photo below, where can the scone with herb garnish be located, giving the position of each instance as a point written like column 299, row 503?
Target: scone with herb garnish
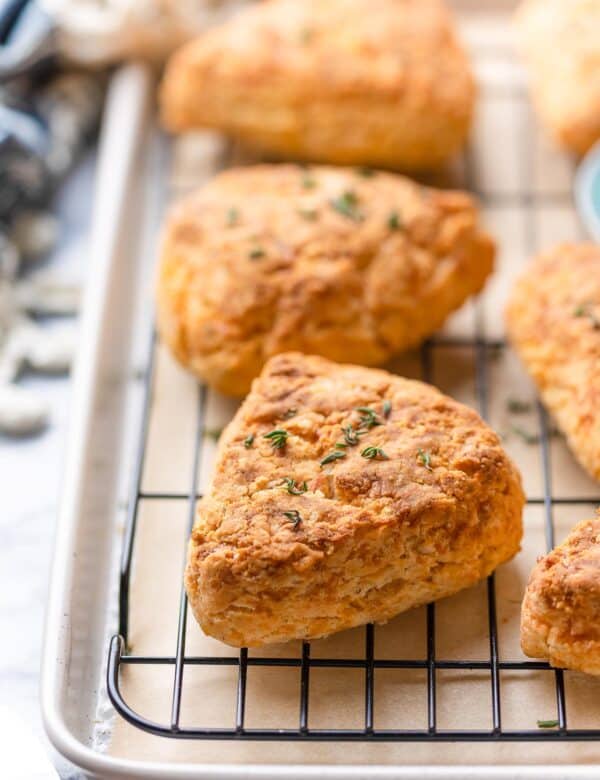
column 560, row 40
column 553, row 321
column 378, row 82
column 560, row 617
column 344, row 495
column 351, row 264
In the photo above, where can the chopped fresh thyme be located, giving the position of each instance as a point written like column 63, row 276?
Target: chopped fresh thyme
column 425, row 459
column 256, row 253
column 213, row 433
column 374, row 453
column 368, row 417
column 249, row 441
column 365, row 172
column 547, row 724
column 387, row 409
column 292, row 488
column 394, row 222
column 351, row 436
column 233, row 216
column 308, row 181
column 585, row 310
column 291, row 412
column 517, row 406
column 278, row 438
column 346, row 204
column 311, row 215
column 332, row 457
column 340, row 445
column 295, row 516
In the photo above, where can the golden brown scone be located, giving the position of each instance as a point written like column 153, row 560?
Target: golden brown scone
column 299, row 538
column 326, row 261
column 553, row 320
column 560, row 40
column 379, row 82
column 560, row 617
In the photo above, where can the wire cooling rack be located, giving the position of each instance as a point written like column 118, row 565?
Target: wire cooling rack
column 482, row 350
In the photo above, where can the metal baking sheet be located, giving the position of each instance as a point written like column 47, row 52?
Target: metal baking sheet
column 525, row 188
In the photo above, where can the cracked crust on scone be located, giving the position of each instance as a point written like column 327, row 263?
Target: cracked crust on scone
column 349, row 264
column 560, row 617
column 560, row 41
column 553, row 321
column 344, row 495
column 378, row 82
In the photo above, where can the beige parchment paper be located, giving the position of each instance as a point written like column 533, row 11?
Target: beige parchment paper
column 509, row 162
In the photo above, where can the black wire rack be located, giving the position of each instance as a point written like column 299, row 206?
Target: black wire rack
column 481, row 349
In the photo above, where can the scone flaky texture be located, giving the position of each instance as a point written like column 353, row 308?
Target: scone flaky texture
column 380, row 82
column 560, row 41
column 553, row 321
column 297, row 542
column 560, row 617
column 328, row 261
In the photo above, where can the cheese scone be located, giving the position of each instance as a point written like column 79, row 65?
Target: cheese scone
column 560, row 617
column 379, row 82
column 344, row 495
column 560, row 40
column 553, row 321
column 349, row 264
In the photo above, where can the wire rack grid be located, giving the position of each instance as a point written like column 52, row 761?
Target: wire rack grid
column 482, row 349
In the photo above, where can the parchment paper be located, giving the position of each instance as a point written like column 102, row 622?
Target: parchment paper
column 508, row 157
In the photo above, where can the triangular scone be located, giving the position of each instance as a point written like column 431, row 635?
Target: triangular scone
column 344, row 495
column 327, row 261
column 553, row 321
column 379, row 82
column 560, row 617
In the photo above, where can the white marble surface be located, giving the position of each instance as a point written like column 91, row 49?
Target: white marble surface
column 30, row 472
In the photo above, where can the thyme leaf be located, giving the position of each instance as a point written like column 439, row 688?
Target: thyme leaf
column 351, row 436
column 256, row 253
column 585, row 310
column 387, row 409
column 295, row 516
column 249, row 441
column 368, row 417
column 278, row 438
column 332, row 457
column 374, row 453
column 291, row 412
column 292, row 488
column 425, row 459
column 346, row 204
column 547, row 724
column 233, row 217
column 311, row 215
column 393, row 221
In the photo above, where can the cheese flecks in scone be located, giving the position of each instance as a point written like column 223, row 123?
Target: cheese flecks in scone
column 344, row 495
column 352, row 264
column 560, row 41
column 379, row 82
column 553, row 321
column 560, row 617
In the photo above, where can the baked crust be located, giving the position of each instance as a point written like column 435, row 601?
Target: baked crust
column 561, row 44
column 560, row 617
column 379, row 82
column 553, row 320
column 352, row 267
column 375, row 536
